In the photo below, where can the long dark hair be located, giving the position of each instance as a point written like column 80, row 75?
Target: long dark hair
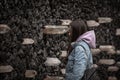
column 78, row 27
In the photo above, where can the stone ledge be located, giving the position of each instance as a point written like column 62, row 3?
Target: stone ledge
column 55, row 29
column 92, row 23
column 52, row 61
column 95, row 51
column 104, row 20
column 30, row 73
column 66, row 22
column 63, row 54
column 5, row 69
column 4, row 28
column 54, row 78
column 106, row 47
column 27, row 41
column 107, row 61
column 112, row 78
column 63, row 71
column 113, row 68
column 118, row 32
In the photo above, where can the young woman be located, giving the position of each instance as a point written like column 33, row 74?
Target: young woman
column 80, row 56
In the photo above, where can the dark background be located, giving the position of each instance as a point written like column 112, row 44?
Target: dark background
column 26, row 19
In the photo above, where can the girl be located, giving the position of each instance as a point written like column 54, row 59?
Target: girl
column 80, row 56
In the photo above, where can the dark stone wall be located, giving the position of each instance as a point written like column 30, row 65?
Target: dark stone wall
column 26, row 19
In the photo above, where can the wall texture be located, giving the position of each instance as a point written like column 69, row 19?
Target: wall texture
column 26, row 19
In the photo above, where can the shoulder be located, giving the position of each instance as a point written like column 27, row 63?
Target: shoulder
column 80, row 53
column 84, row 45
column 79, row 48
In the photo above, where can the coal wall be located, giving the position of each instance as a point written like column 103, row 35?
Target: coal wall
column 26, row 19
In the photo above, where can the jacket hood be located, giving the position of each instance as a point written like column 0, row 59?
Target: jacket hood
column 88, row 37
